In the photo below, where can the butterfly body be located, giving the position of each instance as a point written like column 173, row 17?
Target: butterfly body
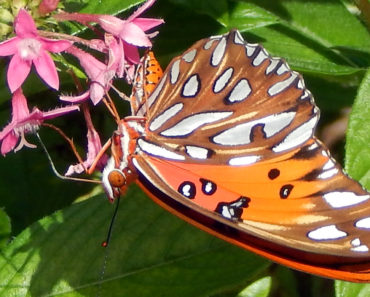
column 226, row 142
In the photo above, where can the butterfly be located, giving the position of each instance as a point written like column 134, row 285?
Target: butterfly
column 225, row 140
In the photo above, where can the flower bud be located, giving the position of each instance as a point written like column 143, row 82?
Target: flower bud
column 5, row 16
column 47, row 6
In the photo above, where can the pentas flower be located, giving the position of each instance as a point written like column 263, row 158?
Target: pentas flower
column 130, row 33
column 100, row 76
column 23, row 122
column 29, row 48
column 93, row 148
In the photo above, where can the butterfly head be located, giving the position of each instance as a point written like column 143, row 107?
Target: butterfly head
column 118, row 173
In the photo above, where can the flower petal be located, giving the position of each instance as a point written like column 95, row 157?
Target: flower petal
column 17, row 72
column 131, row 53
column 24, row 25
column 132, row 34
column 59, row 111
column 55, row 46
column 75, row 99
column 19, row 106
column 147, row 23
column 92, row 66
column 45, row 67
column 141, row 9
column 96, row 92
column 8, row 143
column 9, row 47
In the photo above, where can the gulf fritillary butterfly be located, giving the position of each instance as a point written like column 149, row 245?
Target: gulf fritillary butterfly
column 225, row 141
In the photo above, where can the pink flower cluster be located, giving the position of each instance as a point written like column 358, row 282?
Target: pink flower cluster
column 29, row 47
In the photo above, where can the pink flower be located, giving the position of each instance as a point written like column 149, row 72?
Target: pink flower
column 94, row 148
column 24, row 122
column 29, row 48
column 100, row 76
column 130, row 33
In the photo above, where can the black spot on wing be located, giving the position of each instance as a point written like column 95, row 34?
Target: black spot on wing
column 187, row 189
column 273, row 173
column 285, row 191
column 208, row 187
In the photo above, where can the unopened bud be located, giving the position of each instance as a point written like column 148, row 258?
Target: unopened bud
column 5, row 16
column 5, row 30
column 47, row 6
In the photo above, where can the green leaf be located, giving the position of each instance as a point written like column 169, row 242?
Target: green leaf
column 151, row 252
column 346, row 289
column 231, row 14
column 101, row 6
column 301, row 53
column 357, row 161
column 259, row 288
column 327, row 23
column 218, row 9
column 246, row 16
column 5, row 228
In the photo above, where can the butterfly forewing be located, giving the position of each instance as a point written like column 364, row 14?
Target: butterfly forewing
column 229, row 97
column 229, row 146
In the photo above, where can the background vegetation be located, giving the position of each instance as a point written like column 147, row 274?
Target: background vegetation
column 50, row 230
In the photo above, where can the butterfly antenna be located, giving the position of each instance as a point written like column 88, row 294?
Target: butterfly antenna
column 105, row 244
column 56, row 171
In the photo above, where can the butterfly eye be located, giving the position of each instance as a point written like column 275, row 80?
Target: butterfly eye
column 117, row 179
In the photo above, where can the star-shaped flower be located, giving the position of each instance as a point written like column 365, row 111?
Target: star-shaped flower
column 24, row 122
column 130, row 33
column 28, row 48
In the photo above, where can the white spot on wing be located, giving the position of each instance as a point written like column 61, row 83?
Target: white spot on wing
column 153, row 149
column 306, row 95
column 282, row 69
column 189, row 56
column 208, row 44
column 241, row 134
column 238, row 38
column 297, row 137
column 326, row 233
column 175, row 71
column 247, row 160
column 328, row 165
column 222, row 80
column 261, row 56
column 193, row 122
column 357, row 246
column 361, row 248
column 197, row 152
column 218, row 52
column 165, row 116
column 240, row 92
column 300, row 84
column 153, row 97
column 344, row 199
column 273, row 63
column 327, row 174
column 191, row 86
column 356, row 242
column 313, row 146
column 281, row 85
column 363, row 223
column 250, row 47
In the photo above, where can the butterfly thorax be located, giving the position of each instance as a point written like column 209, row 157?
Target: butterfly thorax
column 119, row 171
